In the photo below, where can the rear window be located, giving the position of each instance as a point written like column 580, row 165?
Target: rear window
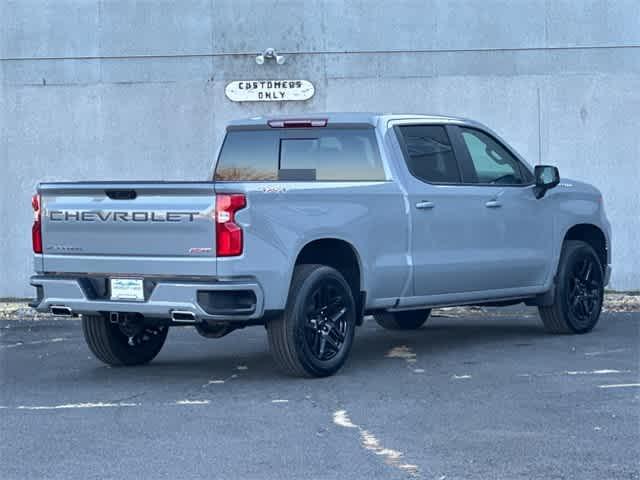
column 300, row 154
column 248, row 155
column 429, row 153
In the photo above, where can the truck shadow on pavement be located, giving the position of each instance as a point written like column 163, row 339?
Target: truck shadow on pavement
column 238, row 358
column 436, row 342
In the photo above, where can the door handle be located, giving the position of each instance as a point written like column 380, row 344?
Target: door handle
column 493, row 204
column 424, row 205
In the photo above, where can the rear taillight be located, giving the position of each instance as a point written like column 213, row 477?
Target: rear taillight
column 36, row 229
column 228, row 233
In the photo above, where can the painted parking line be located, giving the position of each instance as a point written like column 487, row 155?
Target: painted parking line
column 605, row 352
column 98, row 405
column 368, row 441
column 187, row 402
column 34, row 342
column 70, row 406
column 604, row 371
column 193, row 402
column 620, row 385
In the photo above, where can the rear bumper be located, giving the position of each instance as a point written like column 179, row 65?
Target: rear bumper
column 207, row 300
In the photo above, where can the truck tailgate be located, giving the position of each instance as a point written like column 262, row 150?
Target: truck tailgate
column 141, row 227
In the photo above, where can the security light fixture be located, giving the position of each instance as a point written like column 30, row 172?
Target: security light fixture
column 269, row 54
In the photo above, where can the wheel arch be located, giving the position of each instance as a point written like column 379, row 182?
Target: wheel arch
column 341, row 255
column 586, row 232
column 593, row 236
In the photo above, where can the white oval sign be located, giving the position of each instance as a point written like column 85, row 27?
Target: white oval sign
column 269, row 90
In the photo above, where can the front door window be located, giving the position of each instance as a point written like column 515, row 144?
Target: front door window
column 493, row 163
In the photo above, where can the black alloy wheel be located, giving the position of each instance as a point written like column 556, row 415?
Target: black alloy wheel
column 326, row 320
column 314, row 334
column 584, row 290
column 579, row 291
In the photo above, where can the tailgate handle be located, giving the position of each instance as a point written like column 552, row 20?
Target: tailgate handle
column 121, row 194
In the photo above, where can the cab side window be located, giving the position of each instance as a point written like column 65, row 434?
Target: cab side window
column 429, row 154
column 493, row 163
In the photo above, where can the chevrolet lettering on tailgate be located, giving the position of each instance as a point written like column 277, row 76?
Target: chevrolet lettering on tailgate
column 100, row 216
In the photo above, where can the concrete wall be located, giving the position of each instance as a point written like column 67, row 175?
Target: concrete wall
column 116, row 89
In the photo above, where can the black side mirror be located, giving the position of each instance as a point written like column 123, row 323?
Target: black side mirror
column 547, row 177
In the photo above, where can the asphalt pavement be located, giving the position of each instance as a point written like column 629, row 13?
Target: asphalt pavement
column 483, row 396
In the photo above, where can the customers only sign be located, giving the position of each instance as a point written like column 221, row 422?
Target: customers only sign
column 269, row 90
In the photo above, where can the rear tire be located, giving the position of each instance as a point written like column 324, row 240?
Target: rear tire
column 111, row 346
column 407, row 320
column 579, row 291
column 313, row 337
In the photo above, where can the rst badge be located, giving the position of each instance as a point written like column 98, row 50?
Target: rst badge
column 199, row 250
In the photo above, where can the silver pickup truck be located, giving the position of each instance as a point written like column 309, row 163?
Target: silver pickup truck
column 308, row 224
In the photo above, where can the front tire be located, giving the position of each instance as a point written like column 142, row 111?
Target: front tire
column 313, row 337
column 407, row 320
column 579, row 291
column 110, row 345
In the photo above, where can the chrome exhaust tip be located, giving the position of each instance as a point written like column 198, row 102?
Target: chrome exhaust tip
column 183, row 316
column 61, row 311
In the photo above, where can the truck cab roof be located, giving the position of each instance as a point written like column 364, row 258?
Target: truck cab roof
column 337, row 119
